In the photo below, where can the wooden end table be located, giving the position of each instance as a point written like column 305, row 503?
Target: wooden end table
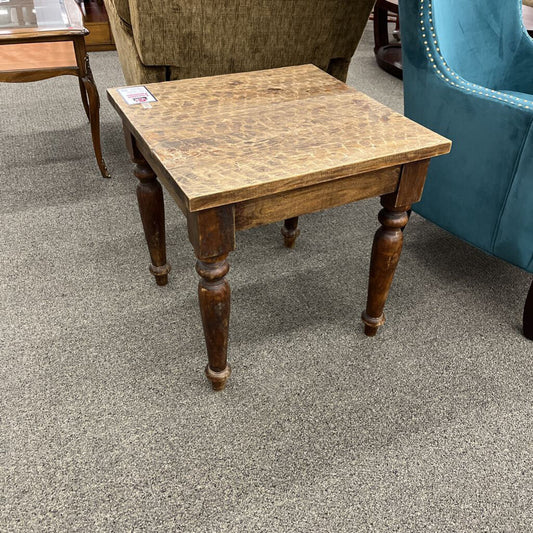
column 40, row 40
column 242, row 150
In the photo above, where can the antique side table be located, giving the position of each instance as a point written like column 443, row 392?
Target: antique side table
column 241, row 150
column 40, row 40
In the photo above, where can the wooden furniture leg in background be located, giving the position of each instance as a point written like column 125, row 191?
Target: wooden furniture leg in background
column 290, row 232
column 83, row 93
column 212, row 234
column 528, row 315
column 388, row 55
column 152, row 210
column 86, row 78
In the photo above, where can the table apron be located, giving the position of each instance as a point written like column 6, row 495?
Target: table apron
column 21, row 76
column 296, row 202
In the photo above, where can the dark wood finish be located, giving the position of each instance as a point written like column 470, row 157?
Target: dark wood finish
column 212, row 231
column 212, row 235
column 85, row 75
column 214, row 298
column 84, row 100
column 290, row 232
column 388, row 241
column 528, row 315
column 152, row 210
column 95, row 19
column 388, row 55
column 412, row 179
column 386, row 250
column 270, row 162
column 37, row 53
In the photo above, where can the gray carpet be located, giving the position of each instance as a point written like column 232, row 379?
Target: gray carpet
column 108, row 424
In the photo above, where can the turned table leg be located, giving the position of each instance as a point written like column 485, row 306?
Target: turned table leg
column 212, row 234
column 152, row 210
column 214, row 298
column 528, row 315
column 290, row 232
column 385, row 256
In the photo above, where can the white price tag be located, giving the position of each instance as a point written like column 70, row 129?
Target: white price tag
column 136, row 95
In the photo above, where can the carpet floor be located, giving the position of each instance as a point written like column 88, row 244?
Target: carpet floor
column 109, row 425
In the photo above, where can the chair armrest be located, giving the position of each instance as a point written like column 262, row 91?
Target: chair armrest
column 488, row 137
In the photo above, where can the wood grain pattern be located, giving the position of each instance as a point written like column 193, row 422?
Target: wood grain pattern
column 412, row 179
column 152, row 211
column 228, row 139
column 40, row 56
column 214, row 298
column 272, row 208
column 212, row 234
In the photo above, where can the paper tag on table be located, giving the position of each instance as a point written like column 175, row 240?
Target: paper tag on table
column 136, row 95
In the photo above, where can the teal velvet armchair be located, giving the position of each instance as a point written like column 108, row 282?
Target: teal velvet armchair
column 468, row 74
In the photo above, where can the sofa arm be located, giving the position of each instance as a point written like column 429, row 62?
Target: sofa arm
column 121, row 8
column 221, row 36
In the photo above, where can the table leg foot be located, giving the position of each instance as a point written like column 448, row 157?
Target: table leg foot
column 214, row 298
column 386, row 251
column 152, row 210
column 160, row 273
column 218, row 379
column 290, row 232
column 372, row 324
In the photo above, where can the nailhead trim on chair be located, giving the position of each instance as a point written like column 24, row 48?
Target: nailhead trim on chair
column 439, row 64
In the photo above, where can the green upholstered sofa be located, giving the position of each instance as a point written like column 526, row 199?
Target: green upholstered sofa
column 175, row 39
